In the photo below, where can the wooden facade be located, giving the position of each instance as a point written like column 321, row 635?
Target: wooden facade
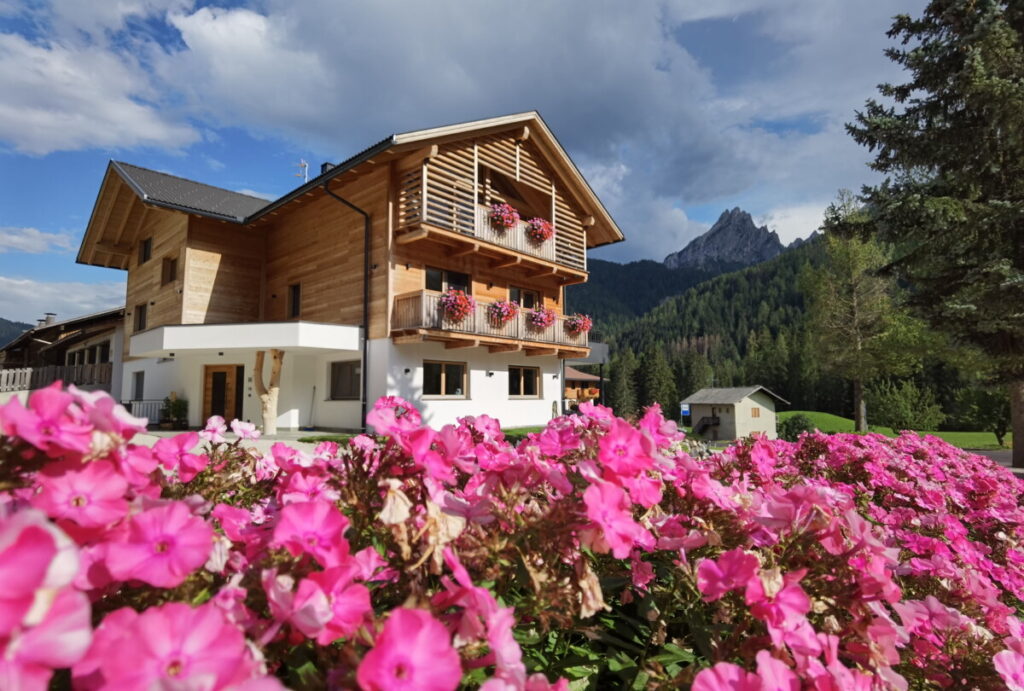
column 427, row 200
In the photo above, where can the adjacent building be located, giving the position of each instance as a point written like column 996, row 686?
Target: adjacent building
column 733, row 413
column 347, row 276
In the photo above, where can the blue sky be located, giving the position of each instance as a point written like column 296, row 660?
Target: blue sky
column 675, row 110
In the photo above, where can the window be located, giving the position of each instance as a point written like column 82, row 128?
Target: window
column 145, row 250
column 524, row 382
column 294, row 301
column 140, row 317
column 169, row 271
column 345, row 381
column 446, row 379
column 104, row 352
column 442, row 281
column 527, row 299
column 138, row 386
column 755, row 412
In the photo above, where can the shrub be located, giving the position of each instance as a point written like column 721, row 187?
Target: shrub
column 903, row 405
column 596, row 550
column 791, row 428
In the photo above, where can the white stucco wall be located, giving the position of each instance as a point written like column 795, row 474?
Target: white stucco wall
column 486, row 394
column 764, row 423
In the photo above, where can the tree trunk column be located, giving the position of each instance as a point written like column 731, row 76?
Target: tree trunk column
column 1017, row 421
column 269, row 394
column 860, row 409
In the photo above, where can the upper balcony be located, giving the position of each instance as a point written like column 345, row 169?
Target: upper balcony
column 440, row 201
column 418, row 316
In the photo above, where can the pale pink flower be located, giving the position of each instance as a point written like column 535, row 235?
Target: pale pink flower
column 608, row 507
column 174, row 454
column 1010, row 666
column 413, row 652
column 52, row 422
column 214, row 430
column 90, row 494
column 163, row 546
column 732, row 570
column 171, row 646
column 726, row 676
column 348, row 602
column 245, row 430
column 316, row 528
column 775, row 674
column 393, row 416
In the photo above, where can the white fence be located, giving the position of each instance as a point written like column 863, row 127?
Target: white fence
column 95, row 376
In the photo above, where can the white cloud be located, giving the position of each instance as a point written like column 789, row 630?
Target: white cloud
column 57, row 97
column 260, row 195
column 792, row 222
column 23, row 299
column 33, row 241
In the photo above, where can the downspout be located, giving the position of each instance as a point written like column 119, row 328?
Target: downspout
column 366, row 295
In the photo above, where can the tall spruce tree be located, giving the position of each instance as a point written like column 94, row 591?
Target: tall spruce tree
column 623, row 395
column 951, row 143
column 861, row 333
column 657, row 383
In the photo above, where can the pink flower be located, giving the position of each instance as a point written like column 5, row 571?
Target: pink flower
column 732, row 570
column 779, row 601
column 621, row 450
column 214, row 430
column 171, row 646
column 173, row 453
column 90, row 494
column 51, row 422
column 316, row 528
column 775, row 674
column 348, row 602
column 393, row 416
column 608, row 507
column 245, row 430
column 163, row 546
column 726, row 676
column 413, row 652
column 1010, row 666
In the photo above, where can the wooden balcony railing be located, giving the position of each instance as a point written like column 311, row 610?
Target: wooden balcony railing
column 422, row 310
column 513, row 238
column 96, row 376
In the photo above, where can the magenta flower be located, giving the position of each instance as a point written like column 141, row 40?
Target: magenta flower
column 732, row 570
column 621, row 450
column 348, row 602
column 174, row 453
column 316, row 528
column 52, row 422
column 163, row 546
column 608, row 507
column 413, row 652
column 1010, row 666
column 171, row 646
column 90, row 494
column 726, row 676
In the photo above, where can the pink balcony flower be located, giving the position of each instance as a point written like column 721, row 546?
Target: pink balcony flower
column 316, row 528
column 539, row 230
column 578, row 324
column 731, row 571
column 163, row 546
column 214, row 430
column 412, row 652
column 456, row 305
column 171, row 646
column 503, row 216
column 501, row 312
column 90, row 494
column 540, row 318
column 245, row 430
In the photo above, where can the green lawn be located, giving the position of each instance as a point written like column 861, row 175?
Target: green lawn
column 833, row 423
column 317, row 438
column 512, row 434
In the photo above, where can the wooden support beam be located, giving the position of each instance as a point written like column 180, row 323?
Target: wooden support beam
column 587, row 221
column 507, row 263
column 510, row 348
column 534, row 352
column 546, row 271
column 407, row 338
column 524, row 134
column 414, row 236
column 472, row 249
column 114, row 248
column 452, row 345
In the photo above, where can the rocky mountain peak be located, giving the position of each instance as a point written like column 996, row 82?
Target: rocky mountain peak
column 734, row 240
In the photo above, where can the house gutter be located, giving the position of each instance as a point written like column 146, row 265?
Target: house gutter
column 366, row 294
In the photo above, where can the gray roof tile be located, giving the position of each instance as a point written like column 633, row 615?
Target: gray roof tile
column 728, row 396
column 188, row 194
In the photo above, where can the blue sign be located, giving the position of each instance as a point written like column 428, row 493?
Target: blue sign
column 684, row 409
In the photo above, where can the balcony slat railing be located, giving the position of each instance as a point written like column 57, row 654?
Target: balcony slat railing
column 95, row 376
column 422, row 310
column 513, row 238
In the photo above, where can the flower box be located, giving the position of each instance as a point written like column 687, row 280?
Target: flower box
column 538, row 230
column 540, row 318
column 503, row 216
column 456, row 305
column 502, row 312
column 578, row 324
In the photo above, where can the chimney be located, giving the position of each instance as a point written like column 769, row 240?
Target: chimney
column 40, row 323
column 326, row 166
column 49, row 317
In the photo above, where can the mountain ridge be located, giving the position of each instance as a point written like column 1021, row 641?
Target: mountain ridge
column 734, row 241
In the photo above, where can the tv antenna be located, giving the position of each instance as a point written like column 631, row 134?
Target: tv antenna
column 303, row 167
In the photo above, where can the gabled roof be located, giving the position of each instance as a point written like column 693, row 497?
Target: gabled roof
column 575, row 375
column 61, row 326
column 728, row 396
column 188, row 195
column 172, row 192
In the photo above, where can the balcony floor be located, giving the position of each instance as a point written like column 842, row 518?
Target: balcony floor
column 502, row 257
column 455, row 340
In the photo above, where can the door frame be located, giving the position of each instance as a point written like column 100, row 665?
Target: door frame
column 234, row 390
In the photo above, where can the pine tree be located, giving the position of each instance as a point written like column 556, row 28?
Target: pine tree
column 657, row 383
column 861, row 334
column 693, row 373
column 952, row 148
column 622, row 395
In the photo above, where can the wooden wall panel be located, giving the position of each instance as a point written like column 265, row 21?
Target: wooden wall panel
column 319, row 245
column 223, row 270
column 168, row 230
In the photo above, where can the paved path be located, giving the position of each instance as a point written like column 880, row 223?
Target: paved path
column 291, row 438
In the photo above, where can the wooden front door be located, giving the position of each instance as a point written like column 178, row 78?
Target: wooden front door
column 222, row 391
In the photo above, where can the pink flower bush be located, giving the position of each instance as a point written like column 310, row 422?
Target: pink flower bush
column 539, row 230
column 540, row 318
column 596, row 549
column 501, row 312
column 503, row 216
column 456, row 305
column 577, row 324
